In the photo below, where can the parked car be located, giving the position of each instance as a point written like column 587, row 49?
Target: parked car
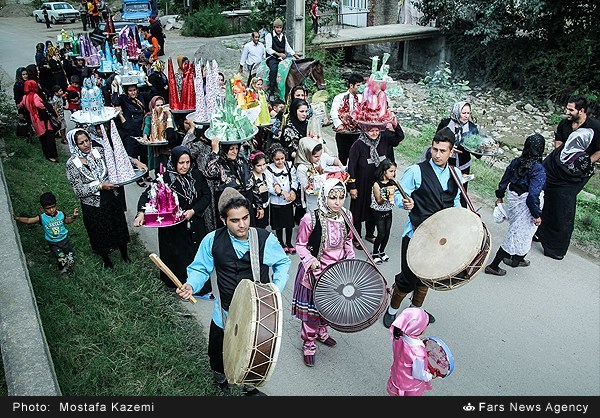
column 138, row 11
column 97, row 36
column 59, row 11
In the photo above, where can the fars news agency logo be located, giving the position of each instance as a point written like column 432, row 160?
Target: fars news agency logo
column 468, row 407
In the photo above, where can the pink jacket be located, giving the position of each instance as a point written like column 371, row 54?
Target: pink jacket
column 32, row 102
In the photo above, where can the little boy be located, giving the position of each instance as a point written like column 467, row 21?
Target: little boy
column 58, row 101
column 53, row 222
column 74, row 94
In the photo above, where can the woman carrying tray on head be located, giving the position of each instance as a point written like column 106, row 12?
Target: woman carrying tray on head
column 323, row 239
column 158, row 127
column 179, row 243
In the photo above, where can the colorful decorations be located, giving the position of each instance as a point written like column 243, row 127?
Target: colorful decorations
column 187, row 100
column 163, row 207
column 118, row 164
column 393, row 88
column 173, row 96
column 108, row 61
column 88, row 51
column 373, row 111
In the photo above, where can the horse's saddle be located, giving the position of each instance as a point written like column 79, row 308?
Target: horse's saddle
column 283, row 70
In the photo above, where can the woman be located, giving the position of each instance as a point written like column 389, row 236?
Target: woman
column 568, row 169
column 161, row 124
column 295, row 128
column 372, row 146
column 158, row 80
column 228, row 168
column 58, row 74
column 179, row 243
column 459, row 122
column 33, row 103
column 102, row 203
column 43, row 68
column 524, row 179
column 182, row 67
column 323, row 239
column 200, row 149
column 21, row 77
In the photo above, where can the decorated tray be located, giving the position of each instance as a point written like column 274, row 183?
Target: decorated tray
column 166, row 225
column 439, row 356
column 151, row 143
column 490, row 153
column 138, row 175
column 108, row 113
column 181, row 111
column 209, row 134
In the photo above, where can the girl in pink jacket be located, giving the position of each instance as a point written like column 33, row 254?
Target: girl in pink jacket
column 409, row 375
column 32, row 101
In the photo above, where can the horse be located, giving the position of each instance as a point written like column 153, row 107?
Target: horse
column 300, row 71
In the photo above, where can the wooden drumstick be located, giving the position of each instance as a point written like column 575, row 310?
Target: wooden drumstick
column 165, row 269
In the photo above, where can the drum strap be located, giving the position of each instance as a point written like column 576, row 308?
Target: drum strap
column 462, row 190
column 254, row 259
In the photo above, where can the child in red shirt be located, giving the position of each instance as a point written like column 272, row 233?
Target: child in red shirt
column 74, row 94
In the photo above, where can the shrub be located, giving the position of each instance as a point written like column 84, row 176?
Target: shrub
column 207, row 22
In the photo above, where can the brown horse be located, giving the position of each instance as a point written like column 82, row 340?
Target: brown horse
column 301, row 70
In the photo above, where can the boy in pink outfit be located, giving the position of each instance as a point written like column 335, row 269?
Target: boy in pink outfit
column 409, row 375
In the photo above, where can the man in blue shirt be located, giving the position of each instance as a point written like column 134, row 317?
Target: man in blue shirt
column 430, row 188
column 227, row 250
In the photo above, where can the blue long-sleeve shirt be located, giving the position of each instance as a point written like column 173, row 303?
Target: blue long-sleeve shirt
column 204, row 263
column 411, row 181
column 533, row 182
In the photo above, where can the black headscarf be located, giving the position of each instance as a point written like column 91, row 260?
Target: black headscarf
column 186, row 180
column 533, row 150
column 301, row 127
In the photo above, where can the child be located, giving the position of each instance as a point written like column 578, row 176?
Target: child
column 53, row 221
column 258, row 162
column 524, row 179
column 58, row 101
column 382, row 202
column 409, row 375
column 282, row 183
column 74, row 94
column 277, row 109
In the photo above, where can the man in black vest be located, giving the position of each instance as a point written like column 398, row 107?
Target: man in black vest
column 227, row 250
column 431, row 188
column 277, row 48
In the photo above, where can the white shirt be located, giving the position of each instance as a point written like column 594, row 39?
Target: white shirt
column 252, row 53
column 269, row 45
column 337, row 103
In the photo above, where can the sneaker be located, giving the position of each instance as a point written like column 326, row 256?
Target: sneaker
column 384, row 257
column 377, row 259
column 499, row 272
column 388, row 319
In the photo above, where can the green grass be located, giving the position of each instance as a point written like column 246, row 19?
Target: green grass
column 487, row 177
column 111, row 332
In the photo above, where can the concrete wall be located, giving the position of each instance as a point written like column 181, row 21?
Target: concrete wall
column 382, row 12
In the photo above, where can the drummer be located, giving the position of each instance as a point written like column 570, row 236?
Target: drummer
column 430, row 188
column 227, row 250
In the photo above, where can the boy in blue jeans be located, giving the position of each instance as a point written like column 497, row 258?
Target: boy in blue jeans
column 53, row 222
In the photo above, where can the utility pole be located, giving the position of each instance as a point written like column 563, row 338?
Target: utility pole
column 294, row 24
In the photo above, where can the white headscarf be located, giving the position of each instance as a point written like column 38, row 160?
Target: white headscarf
column 95, row 163
column 577, row 142
column 327, row 187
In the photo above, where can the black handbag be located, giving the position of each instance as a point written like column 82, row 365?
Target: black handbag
column 49, row 114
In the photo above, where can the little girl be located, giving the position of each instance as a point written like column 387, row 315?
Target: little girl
column 382, row 202
column 409, row 375
column 258, row 162
column 282, row 184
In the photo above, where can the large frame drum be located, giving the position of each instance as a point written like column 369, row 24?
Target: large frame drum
column 449, row 248
column 252, row 333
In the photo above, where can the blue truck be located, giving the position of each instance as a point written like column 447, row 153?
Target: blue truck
column 138, row 11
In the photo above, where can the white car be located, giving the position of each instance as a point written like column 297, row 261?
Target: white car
column 57, row 12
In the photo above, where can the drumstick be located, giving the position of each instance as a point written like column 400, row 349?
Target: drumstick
column 165, row 269
column 402, row 192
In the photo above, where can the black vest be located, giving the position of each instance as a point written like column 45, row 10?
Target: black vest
column 277, row 45
column 430, row 197
column 230, row 269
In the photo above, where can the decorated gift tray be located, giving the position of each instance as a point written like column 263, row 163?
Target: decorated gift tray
column 108, row 113
column 138, row 175
column 151, row 143
column 210, row 135
column 166, row 225
column 489, row 153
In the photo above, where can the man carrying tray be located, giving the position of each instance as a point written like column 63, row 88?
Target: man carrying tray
column 430, row 188
column 227, row 250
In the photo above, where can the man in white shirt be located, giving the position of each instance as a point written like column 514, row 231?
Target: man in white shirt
column 278, row 48
column 252, row 53
column 344, row 103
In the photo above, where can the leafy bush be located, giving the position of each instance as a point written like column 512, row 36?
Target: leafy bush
column 263, row 15
column 207, row 22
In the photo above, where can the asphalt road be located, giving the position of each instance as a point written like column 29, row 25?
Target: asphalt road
column 533, row 332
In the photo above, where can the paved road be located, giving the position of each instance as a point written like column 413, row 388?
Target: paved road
column 533, row 332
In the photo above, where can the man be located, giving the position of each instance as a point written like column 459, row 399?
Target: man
column 83, row 13
column 46, row 18
column 430, row 188
column 277, row 49
column 153, row 52
column 227, row 250
column 566, row 177
column 314, row 15
column 156, row 30
column 346, row 133
column 252, row 53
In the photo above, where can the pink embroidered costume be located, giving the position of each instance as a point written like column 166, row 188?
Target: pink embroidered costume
column 323, row 236
column 409, row 375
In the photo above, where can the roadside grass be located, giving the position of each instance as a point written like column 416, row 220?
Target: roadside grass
column 487, row 177
column 111, row 332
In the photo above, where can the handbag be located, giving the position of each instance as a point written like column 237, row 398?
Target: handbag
column 23, row 129
column 49, row 114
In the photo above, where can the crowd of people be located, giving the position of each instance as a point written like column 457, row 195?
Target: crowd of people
column 287, row 186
